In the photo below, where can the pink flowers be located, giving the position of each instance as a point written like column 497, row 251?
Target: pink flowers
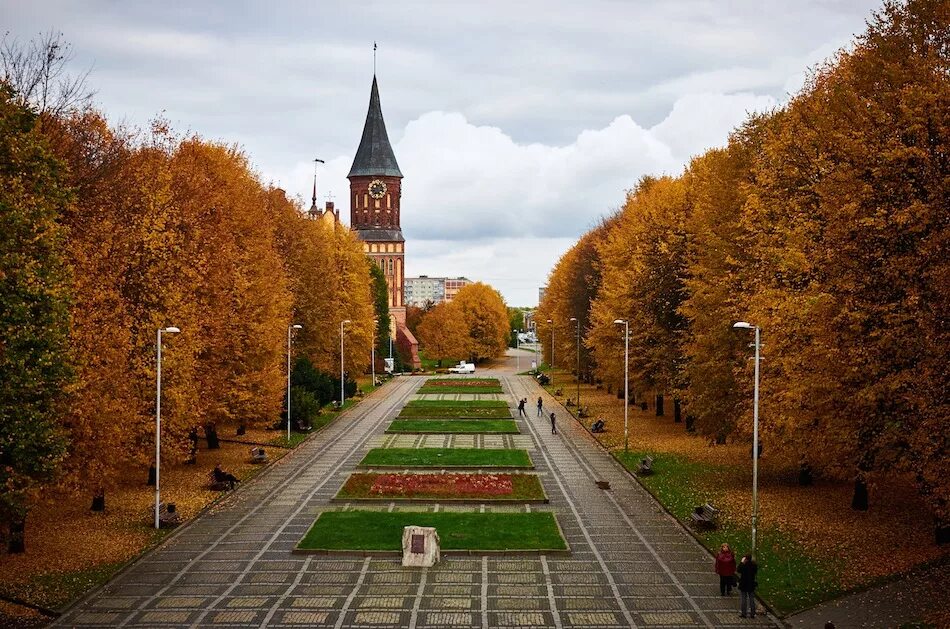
column 437, row 485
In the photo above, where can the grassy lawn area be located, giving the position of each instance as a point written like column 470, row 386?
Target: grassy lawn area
column 443, row 487
column 461, row 385
column 446, row 457
column 790, row 576
column 465, row 409
column 454, row 426
column 374, row 530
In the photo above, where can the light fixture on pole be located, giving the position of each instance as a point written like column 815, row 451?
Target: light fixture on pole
column 342, row 389
column 518, row 349
column 626, row 379
column 290, row 330
column 552, row 350
column 158, row 418
column 577, row 323
column 372, row 352
column 743, row 325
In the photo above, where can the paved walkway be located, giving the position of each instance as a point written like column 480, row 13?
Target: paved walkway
column 631, row 565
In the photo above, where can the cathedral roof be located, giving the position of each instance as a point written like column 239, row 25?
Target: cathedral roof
column 375, row 154
column 380, row 234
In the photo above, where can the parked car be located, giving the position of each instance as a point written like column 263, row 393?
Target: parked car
column 463, row 367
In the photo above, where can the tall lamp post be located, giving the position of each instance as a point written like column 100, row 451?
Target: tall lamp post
column 518, row 349
column 552, row 350
column 743, row 325
column 158, row 418
column 342, row 384
column 372, row 352
column 290, row 330
column 578, row 400
column 626, row 379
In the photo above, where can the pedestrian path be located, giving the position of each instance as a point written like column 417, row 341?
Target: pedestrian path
column 630, row 565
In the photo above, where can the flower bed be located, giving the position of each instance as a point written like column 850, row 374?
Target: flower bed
column 374, row 486
column 446, row 457
column 465, row 409
column 454, row 426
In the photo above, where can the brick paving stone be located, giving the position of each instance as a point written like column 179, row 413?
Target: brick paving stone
column 181, row 601
column 164, row 617
column 234, row 617
column 655, row 619
column 115, row 603
column 96, row 618
column 521, row 619
column 594, row 619
column 442, row 619
column 382, row 602
column 520, row 603
column 378, row 618
column 247, row 601
column 304, row 618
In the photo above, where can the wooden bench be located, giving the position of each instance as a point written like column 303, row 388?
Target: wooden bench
column 258, row 455
column 168, row 515
column 646, row 466
column 705, row 516
column 216, row 485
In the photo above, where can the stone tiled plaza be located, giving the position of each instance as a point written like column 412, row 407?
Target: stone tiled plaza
column 629, row 565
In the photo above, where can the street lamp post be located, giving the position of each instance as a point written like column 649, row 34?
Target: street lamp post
column 577, row 323
column 290, row 330
column 743, row 325
column 626, row 379
column 372, row 352
column 342, row 384
column 552, row 350
column 518, row 349
column 158, row 418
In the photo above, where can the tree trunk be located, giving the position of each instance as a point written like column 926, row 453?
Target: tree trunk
column 17, row 541
column 690, row 423
column 659, row 405
column 677, row 411
column 99, row 501
column 241, row 429
column 805, row 476
column 619, row 393
column 859, row 502
column 151, row 475
column 211, row 434
column 941, row 532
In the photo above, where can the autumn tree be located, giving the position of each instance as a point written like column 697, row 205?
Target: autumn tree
column 34, row 313
column 486, row 319
column 443, row 333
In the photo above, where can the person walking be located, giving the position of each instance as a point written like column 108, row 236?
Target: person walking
column 521, row 404
column 726, row 569
column 540, row 407
column 747, row 572
column 553, row 425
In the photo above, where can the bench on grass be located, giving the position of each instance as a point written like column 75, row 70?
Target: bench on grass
column 168, row 515
column 258, row 455
column 705, row 516
column 646, row 467
column 216, row 485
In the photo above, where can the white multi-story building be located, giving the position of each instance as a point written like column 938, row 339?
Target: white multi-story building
column 423, row 289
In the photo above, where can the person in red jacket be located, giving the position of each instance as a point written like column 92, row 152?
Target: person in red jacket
column 726, row 569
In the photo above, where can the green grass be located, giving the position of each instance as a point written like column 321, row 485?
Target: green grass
column 379, row 531
column 470, row 389
column 790, row 577
column 462, row 426
column 464, row 409
column 296, row 438
column 443, row 487
column 446, row 457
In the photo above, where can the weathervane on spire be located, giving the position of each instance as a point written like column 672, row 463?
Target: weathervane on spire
column 374, row 58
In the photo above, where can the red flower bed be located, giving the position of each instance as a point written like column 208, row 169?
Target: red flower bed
column 443, row 486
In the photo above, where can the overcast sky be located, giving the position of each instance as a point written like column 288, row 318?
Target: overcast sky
column 517, row 125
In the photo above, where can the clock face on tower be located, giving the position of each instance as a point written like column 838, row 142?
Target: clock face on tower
column 377, row 189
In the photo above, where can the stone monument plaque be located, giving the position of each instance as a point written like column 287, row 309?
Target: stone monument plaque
column 420, row 546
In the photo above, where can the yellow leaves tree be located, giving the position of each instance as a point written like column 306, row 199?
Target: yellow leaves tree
column 485, row 316
column 443, row 333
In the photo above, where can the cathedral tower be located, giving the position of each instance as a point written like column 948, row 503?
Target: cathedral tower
column 375, row 192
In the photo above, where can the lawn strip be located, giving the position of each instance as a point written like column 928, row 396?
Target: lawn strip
column 472, row 390
column 456, row 403
column 446, row 458
column 445, row 412
column 790, row 577
column 454, row 426
column 380, row 531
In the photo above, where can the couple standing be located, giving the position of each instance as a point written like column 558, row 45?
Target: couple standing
column 747, row 570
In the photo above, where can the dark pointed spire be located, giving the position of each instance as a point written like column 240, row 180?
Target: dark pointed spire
column 375, row 155
column 313, row 206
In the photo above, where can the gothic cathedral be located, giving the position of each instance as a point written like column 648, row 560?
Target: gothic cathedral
column 375, row 193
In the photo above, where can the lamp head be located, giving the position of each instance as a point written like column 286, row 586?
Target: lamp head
column 620, row 321
column 573, row 318
column 171, row 330
column 296, row 326
column 344, row 321
column 743, row 325
column 549, row 321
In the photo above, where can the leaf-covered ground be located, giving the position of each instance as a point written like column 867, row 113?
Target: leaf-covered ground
column 849, row 549
column 71, row 549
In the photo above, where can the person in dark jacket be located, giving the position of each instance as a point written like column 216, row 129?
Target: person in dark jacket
column 521, row 410
column 726, row 569
column 540, row 406
column 222, row 476
column 553, row 425
column 747, row 572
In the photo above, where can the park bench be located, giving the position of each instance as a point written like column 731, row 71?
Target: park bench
column 303, row 426
column 168, row 515
column 214, row 484
column 705, row 516
column 258, row 455
column 646, row 467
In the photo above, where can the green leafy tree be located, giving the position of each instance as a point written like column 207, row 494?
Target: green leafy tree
column 381, row 307
column 34, row 312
